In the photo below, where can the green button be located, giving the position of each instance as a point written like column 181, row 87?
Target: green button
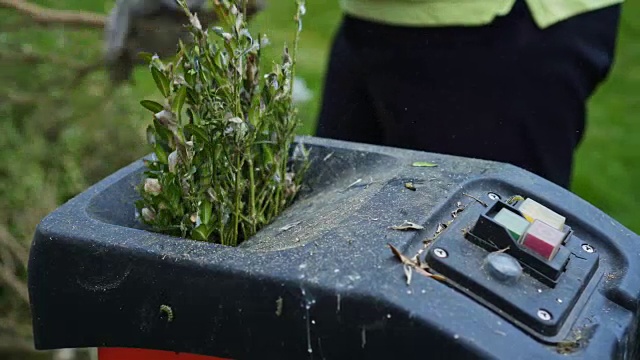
column 515, row 224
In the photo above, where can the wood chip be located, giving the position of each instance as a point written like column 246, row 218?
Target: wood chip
column 428, row 274
column 407, row 225
column 476, row 199
column 398, row 254
column 407, row 262
column 423, row 164
column 408, row 271
column 290, row 226
column 503, row 250
column 460, row 208
column 410, row 186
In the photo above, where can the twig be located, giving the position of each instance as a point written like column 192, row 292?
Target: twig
column 33, row 58
column 14, row 327
column 16, row 344
column 476, row 199
column 81, row 70
column 408, row 262
column 84, row 71
column 17, row 98
column 8, row 259
column 354, row 183
column 13, row 245
column 8, row 277
column 45, row 16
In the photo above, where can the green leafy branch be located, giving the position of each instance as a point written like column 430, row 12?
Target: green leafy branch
column 223, row 164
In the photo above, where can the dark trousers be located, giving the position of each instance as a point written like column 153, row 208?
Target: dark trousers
column 508, row 91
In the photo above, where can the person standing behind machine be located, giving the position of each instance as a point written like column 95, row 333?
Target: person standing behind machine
column 503, row 80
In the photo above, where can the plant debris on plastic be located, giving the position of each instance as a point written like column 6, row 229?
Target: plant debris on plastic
column 407, row 225
column 423, row 164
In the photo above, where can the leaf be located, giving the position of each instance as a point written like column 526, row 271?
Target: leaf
column 407, row 225
column 398, row 254
column 407, row 262
column 514, row 199
column 192, row 97
column 423, row 164
column 206, row 208
column 198, row 132
column 424, row 272
column 190, row 76
column 153, row 106
column 179, row 99
column 146, row 56
column 162, row 82
column 192, row 117
column 202, row 232
column 162, row 132
column 217, row 60
column 267, row 154
column 151, row 137
column 161, row 154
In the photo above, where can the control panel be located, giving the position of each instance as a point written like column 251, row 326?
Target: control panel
column 521, row 259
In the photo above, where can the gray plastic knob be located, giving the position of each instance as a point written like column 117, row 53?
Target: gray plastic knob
column 503, row 267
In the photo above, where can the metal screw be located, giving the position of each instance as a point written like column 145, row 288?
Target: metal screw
column 588, row 248
column 544, row 315
column 441, row 253
column 493, row 196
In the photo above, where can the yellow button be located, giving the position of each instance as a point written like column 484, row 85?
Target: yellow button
column 532, row 210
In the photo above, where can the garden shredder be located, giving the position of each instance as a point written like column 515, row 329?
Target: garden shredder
column 386, row 253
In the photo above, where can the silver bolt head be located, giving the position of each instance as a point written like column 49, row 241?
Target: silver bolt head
column 441, row 253
column 588, row 248
column 544, row 315
column 493, row 196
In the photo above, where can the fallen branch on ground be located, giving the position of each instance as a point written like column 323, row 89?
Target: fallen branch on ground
column 45, row 16
column 34, row 58
column 9, row 278
column 13, row 245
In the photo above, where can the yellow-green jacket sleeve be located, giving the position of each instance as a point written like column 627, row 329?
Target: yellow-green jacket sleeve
column 464, row 12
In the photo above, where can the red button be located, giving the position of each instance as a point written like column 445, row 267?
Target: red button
column 543, row 239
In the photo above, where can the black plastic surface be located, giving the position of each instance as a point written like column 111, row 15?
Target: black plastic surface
column 329, row 287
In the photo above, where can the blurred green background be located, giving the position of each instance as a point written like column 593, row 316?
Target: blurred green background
column 57, row 139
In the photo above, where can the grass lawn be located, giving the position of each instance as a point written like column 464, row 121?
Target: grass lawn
column 607, row 173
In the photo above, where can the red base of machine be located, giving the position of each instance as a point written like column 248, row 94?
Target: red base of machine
column 145, row 354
